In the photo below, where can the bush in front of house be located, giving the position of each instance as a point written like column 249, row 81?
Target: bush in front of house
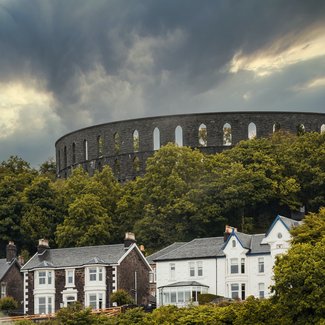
column 8, row 303
column 121, row 297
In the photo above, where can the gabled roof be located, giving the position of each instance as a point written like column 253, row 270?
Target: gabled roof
column 5, row 266
column 287, row 222
column 164, row 251
column 77, row 256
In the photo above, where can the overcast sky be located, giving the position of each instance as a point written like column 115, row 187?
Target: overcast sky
column 69, row 64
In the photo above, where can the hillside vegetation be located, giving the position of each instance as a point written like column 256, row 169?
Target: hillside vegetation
column 183, row 195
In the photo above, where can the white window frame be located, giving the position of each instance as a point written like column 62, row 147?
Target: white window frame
column 99, row 297
column 234, row 266
column 261, row 290
column 191, row 269
column 233, row 291
column 48, row 305
column 97, row 276
column 68, row 276
column 45, row 278
column 242, row 265
column 3, row 289
column 199, row 266
column 261, row 265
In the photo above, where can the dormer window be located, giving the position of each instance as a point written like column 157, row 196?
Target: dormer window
column 234, row 243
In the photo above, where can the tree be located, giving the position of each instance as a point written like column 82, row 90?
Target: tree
column 121, row 297
column 299, row 275
column 87, row 223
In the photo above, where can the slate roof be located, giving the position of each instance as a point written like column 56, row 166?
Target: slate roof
column 197, row 248
column 164, row 251
column 4, row 267
column 77, row 256
column 185, row 284
column 213, row 247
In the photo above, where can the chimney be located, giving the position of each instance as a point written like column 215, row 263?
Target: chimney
column 141, row 247
column 129, row 239
column 43, row 245
column 11, row 251
column 228, row 231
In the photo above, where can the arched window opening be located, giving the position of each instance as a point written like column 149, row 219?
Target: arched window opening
column 136, row 141
column 65, row 158
column 156, row 139
column 227, row 135
column 73, row 153
column 85, row 150
column 300, row 129
column 100, row 146
column 117, row 143
column 59, row 159
column 276, row 127
column 116, row 167
column 322, row 128
column 179, row 136
column 203, row 135
column 252, row 131
column 136, row 164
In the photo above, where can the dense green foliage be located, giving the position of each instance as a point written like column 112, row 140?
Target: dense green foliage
column 184, row 194
column 121, row 297
column 8, row 303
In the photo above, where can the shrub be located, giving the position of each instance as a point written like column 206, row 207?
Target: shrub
column 121, row 297
column 8, row 303
column 205, row 298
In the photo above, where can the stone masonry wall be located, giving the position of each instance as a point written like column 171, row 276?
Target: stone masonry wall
column 122, row 162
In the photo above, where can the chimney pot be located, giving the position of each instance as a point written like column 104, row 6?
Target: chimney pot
column 43, row 245
column 228, row 231
column 11, row 251
column 129, row 239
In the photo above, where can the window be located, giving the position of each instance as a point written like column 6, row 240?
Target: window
column 95, row 300
column 242, row 265
column 276, row 127
column 65, row 158
column 192, row 268
column 3, row 290
column 279, row 235
column 251, row 131
column 227, row 135
column 85, row 150
column 261, row 290
column 235, row 291
column 261, row 265
column 243, row 291
column 117, row 143
column 322, row 128
column 49, row 277
column 96, row 274
column 71, row 300
column 234, row 243
column 100, row 146
column 69, row 276
column 73, row 153
column 172, row 271
column 41, row 277
column 136, row 141
column 234, row 265
column 203, row 135
column 44, row 305
column 199, row 269
column 179, row 136
column 151, row 277
column 156, row 139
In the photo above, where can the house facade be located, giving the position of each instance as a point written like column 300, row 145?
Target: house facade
column 11, row 280
column 235, row 266
column 54, row 278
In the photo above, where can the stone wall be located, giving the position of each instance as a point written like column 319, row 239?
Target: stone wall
column 126, row 277
column 70, row 151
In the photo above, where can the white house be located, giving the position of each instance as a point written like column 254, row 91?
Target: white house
column 235, row 266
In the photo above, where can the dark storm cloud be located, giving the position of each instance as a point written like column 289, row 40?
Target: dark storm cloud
column 106, row 60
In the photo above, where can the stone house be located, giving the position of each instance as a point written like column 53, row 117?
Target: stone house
column 11, row 280
column 54, row 278
column 235, row 266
